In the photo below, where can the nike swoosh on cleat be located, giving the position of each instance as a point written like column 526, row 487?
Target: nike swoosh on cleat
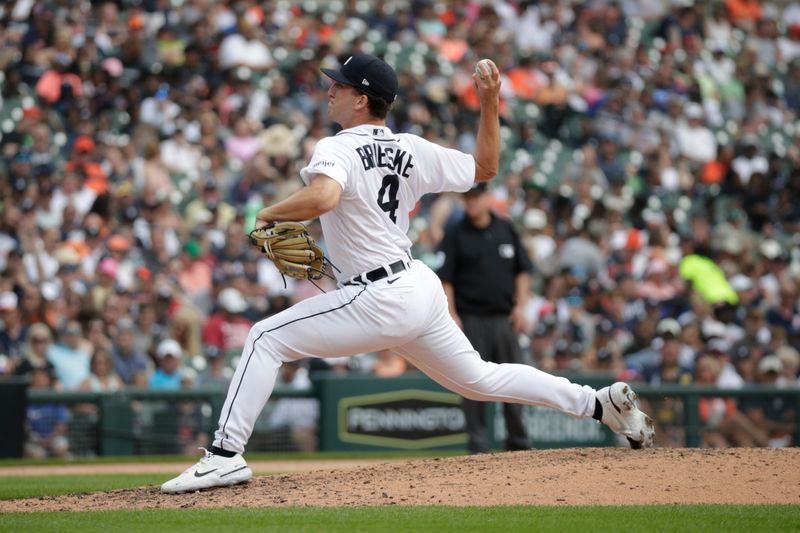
column 198, row 474
column 392, row 281
column 233, row 471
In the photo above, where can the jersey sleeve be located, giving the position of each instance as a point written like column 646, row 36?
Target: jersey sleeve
column 441, row 169
column 329, row 159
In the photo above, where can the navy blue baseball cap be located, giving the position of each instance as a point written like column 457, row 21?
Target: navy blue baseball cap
column 368, row 74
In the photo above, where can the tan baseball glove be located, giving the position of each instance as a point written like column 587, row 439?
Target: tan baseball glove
column 291, row 248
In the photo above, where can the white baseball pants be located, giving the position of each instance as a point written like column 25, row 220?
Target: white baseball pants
column 406, row 312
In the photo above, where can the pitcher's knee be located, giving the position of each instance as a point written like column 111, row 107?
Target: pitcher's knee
column 479, row 389
column 264, row 343
column 480, row 381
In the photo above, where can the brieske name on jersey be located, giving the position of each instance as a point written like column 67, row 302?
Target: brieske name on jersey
column 376, row 156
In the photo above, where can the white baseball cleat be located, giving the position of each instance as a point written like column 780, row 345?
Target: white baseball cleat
column 623, row 416
column 211, row 471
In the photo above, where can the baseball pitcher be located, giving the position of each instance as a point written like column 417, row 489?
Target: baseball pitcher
column 362, row 183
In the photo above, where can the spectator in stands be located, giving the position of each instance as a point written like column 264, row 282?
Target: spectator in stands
column 567, row 356
column 178, row 155
column 744, row 13
column 774, row 273
column 748, row 161
column 160, row 112
column 243, row 144
column 666, row 346
column 776, row 416
column 119, row 245
column 718, row 27
column 543, row 345
column 784, row 311
column 194, row 274
column 210, row 207
column 216, row 374
column 299, row 415
column 576, row 321
column 790, row 360
column 70, row 356
column 581, row 254
column 96, row 335
column 45, row 424
column 102, row 377
column 149, row 331
column 39, row 341
column 32, row 305
column 605, row 353
column 130, row 364
column 659, row 283
column 695, row 140
column 169, row 374
column 553, row 97
column 106, row 280
column 609, row 160
column 725, row 424
column 245, row 47
column 669, row 369
column 227, row 328
column 727, row 377
column 73, row 191
column 185, row 327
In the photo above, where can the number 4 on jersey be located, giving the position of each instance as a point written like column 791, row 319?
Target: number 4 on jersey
column 389, row 187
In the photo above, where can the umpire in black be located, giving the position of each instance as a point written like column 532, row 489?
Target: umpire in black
column 486, row 275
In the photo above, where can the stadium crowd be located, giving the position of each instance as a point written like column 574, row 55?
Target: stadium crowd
column 650, row 160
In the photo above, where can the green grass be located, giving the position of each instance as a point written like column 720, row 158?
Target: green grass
column 695, row 518
column 16, row 487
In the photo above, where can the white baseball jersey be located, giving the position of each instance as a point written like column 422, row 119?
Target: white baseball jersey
column 383, row 175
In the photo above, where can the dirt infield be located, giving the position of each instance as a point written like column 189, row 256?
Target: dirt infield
column 586, row 476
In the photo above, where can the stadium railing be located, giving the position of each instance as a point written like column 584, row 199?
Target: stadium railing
column 145, row 422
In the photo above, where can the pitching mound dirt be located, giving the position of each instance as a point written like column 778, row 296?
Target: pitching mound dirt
column 586, row 476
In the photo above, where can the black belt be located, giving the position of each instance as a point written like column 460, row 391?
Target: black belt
column 378, row 274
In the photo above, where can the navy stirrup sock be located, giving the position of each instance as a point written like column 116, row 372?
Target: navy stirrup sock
column 223, row 453
column 598, row 411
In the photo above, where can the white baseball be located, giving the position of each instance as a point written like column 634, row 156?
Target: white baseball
column 483, row 68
